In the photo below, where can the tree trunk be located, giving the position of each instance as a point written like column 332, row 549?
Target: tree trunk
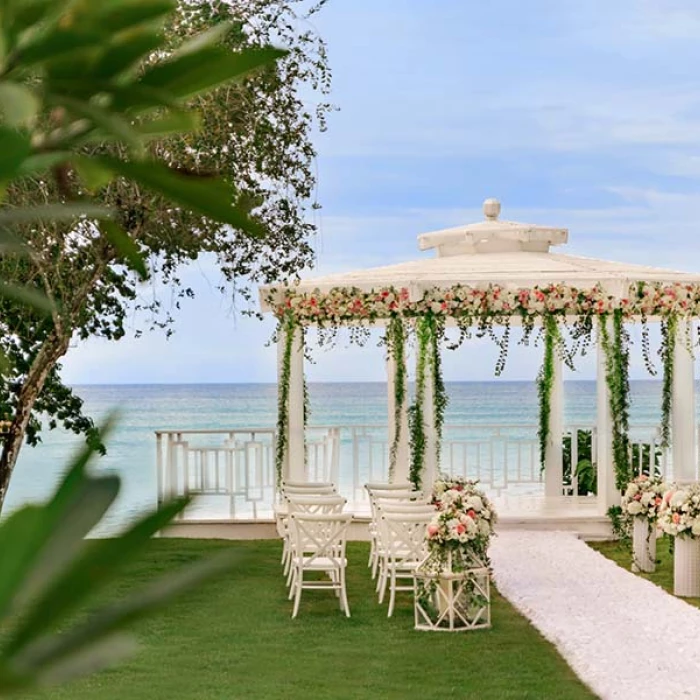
column 52, row 350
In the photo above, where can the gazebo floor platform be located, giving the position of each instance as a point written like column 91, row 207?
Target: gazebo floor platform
column 577, row 515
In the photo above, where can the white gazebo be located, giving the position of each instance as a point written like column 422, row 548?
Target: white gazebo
column 505, row 269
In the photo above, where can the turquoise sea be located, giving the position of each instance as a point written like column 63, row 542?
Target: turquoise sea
column 146, row 408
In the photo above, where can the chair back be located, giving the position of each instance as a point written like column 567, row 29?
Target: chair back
column 309, row 490
column 410, row 507
column 403, row 536
column 307, row 484
column 313, row 504
column 319, row 536
column 385, row 486
column 403, row 496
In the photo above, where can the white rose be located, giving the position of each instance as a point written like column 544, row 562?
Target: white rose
column 647, row 498
column 678, row 499
column 475, row 502
column 634, row 508
column 484, row 528
column 696, row 528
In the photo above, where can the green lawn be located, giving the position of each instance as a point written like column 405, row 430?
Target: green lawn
column 663, row 576
column 235, row 639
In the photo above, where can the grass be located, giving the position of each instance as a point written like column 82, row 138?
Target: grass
column 663, row 576
column 235, row 639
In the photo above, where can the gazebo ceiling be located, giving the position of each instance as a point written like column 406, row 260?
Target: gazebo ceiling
column 496, row 252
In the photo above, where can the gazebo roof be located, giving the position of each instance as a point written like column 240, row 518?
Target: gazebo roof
column 497, row 252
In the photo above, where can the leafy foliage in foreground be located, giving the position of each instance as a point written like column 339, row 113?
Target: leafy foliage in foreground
column 50, row 571
column 134, row 132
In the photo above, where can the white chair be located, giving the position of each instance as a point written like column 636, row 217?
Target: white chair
column 402, row 548
column 385, row 486
column 389, row 496
column 306, row 503
column 319, row 546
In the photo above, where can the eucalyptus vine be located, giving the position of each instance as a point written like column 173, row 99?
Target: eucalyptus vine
column 616, row 349
column 416, row 410
column 669, row 327
column 395, row 339
column 285, row 333
column 545, row 382
column 440, row 398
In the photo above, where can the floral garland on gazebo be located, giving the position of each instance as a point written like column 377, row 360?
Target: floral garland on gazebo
column 482, row 308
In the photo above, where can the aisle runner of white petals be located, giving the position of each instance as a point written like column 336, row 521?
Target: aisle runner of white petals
column 623, row 636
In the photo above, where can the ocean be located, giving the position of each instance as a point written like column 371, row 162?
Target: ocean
column 145, row 408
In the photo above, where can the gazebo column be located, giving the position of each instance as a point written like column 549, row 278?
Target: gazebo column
column 401, row 469
column 608, row 494
column 294, row 464
column 431, row 440
column 683, row 430
column 553, row 457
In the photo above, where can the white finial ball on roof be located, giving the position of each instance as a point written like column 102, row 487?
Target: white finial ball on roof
column 492, row 208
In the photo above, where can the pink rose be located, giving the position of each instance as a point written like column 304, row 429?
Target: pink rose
column 460, row 529
column 676, row 518
column 432, row 530
column 471, row 514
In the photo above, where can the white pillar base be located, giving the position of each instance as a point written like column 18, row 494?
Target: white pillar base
column 686, row 567
column 643, row 546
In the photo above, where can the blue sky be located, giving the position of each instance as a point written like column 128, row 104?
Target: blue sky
column 579, row 114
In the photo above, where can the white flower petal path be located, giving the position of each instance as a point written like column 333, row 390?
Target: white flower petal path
column 623, row 636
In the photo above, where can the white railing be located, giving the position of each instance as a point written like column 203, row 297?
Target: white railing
column 232, row 472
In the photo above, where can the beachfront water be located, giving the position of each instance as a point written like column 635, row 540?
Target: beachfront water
column 146, row 408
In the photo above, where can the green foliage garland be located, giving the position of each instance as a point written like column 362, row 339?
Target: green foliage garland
column 439, row 392
column 617, row 378
column 415, row 412
column 669, row 327
column 395, row 339
column 545, row 381
column 285, row 333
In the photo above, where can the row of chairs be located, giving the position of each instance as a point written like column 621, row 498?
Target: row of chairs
column 399, row 518
column 313, row 527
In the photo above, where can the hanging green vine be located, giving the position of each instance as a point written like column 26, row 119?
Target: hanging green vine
column 395, row 339
column 416, row 411
column 617, row 378
column 545, row 382
column 439, row 392
column 669, row 327
column 285, row 333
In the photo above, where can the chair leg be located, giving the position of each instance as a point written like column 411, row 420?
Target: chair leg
column 299, row 579
column 392, row 592
column 383, row 576
column 344, row 594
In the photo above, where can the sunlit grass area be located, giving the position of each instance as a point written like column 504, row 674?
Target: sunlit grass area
column 235, row 639
column 663, row 576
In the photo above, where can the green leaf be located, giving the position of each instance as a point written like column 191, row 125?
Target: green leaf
column 15, row 147
column 173, row 123
column 24, row 535
column 53, row 212
column 41, row 162
column 45, row 652
column 29, row 297
column 58, row 44
column 187, row 75
column 92, row 174
column 125, row 246
column 211, row 197
column 97, row 566
column 210, row 37
column 127, row 50
column 123, row 14
column 19, row 106
column 113, row 124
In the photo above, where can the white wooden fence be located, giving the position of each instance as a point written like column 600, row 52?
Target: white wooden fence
column 231, row 473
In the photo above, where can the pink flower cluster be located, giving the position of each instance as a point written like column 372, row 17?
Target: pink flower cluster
column 465, row 517
column 343, row 304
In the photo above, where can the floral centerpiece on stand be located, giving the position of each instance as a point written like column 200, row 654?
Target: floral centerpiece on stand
column 452, row 582
column 463, row 525
column 680, row 518
column 642, row 504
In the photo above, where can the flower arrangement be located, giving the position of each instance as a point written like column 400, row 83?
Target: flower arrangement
column 342, row 304
column 680, row 515
column 464, row 522
column 644, row 498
